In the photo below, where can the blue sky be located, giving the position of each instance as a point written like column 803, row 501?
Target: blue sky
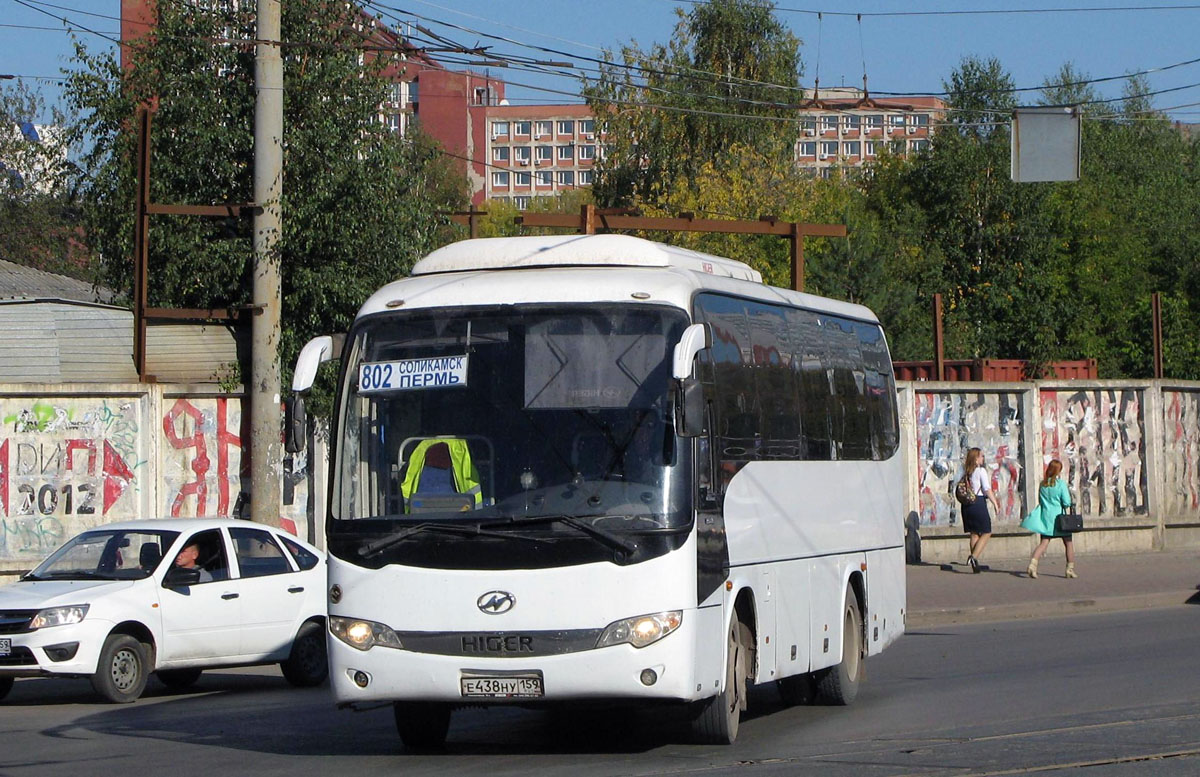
column 911, row 53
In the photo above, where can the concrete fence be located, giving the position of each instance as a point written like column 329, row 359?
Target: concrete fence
column 1129, row 450
column 73, row 456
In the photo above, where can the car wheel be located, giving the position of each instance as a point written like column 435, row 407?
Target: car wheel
column 121, row 671
column 308, row 664
column 422, row 725
column 178, row 678
column 6, row 685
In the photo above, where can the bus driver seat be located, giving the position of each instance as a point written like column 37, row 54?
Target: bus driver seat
column 441, row 478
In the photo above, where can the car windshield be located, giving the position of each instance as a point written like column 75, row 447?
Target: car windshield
column 475, row 416
column 106, row 554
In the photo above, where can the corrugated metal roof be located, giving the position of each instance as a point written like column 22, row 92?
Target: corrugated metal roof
column 20, row 282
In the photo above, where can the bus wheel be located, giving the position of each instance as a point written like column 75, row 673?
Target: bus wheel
column 717, row 723
column 422, row 725
column 839, row 684
column 797, row 690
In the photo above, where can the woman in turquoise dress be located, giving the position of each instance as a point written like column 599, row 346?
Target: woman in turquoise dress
column 1054, row 498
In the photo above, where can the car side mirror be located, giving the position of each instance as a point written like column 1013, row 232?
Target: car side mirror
column 691, row 408
column 179, row 577
column 295, row 424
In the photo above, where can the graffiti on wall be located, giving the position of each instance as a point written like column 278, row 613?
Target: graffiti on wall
column 947, row 426
column 1180, row 453
column 202, row 468
column 65, row 465
column 1099, row 436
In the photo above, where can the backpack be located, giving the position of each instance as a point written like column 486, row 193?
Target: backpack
column 963, row 492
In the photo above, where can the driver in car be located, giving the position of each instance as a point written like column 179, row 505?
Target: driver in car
column 187, row 560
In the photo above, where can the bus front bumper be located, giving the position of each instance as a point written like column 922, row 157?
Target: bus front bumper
column 664, row 670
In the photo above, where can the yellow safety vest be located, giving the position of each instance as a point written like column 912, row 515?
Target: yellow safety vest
column 466, row 478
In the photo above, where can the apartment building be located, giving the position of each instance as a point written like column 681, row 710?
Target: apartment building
column 538, row 151
column 844, row 128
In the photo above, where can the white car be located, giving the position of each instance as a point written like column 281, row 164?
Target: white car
column 114, row 604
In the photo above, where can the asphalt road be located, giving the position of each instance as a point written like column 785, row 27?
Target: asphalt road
column 1119, row 692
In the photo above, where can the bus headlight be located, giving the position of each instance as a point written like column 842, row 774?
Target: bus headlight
column 363, row 635
column 58, row 616
column 642, row 630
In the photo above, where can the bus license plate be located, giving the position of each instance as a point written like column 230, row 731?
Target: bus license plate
column 6, row 646
column 506, row 686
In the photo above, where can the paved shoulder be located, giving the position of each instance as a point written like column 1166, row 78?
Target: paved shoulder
column 950, row 593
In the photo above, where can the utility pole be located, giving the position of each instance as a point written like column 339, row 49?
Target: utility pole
column 266, row 448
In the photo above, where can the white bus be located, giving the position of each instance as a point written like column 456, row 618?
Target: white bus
column 587, row 469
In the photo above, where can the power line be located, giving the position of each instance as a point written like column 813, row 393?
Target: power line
column 66, row 21
column 975, row 12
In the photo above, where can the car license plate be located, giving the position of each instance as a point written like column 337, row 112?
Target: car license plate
column 517, row 685
column 6, row 646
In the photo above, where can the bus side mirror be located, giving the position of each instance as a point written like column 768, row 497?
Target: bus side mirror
column 695, row 339
column 295, row 424
column 691, row 408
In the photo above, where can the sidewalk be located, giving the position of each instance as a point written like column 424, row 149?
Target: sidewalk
column 949, row 593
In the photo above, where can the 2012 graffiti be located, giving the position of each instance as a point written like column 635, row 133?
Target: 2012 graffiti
column 52, row 482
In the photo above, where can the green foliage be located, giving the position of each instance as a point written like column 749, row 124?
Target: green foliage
column 728, row 77
column 1045, row 271
column 359, row 203
column 39, row 221
column 501, row 217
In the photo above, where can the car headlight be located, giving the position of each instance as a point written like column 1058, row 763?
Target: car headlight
column 642, row 630
column 363, row 635
column 58, row 616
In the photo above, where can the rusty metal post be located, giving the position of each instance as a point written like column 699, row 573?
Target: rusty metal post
column 141, row 244
column 797, row 244
column 1156, row 317
column 939, row 356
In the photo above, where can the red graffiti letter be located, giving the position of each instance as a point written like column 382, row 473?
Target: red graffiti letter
column 199, row 463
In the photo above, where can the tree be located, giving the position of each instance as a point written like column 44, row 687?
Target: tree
column 38, row 220
column 1069, row 87
column 359, row 203
column 730, row 75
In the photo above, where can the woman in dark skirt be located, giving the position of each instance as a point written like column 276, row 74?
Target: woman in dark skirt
column 977, row 521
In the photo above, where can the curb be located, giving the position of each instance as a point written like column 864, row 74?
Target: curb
column 948, row 616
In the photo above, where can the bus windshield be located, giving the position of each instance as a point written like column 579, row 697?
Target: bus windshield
column 504, row 417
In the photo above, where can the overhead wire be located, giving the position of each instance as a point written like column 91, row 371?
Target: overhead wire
column 527, row 65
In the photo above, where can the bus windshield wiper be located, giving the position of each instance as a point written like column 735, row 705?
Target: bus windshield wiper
column 462, row 529
column 608, row 537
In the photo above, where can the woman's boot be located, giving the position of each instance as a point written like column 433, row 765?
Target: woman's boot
column 1032, row 570
column 1071, row 569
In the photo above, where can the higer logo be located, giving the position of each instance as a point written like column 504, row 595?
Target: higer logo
column 496, row 602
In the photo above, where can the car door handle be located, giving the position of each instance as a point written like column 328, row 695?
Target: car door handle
column 229, row 596
column 295, row 589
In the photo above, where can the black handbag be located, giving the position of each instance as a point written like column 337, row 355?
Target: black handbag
column 1069, row 522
